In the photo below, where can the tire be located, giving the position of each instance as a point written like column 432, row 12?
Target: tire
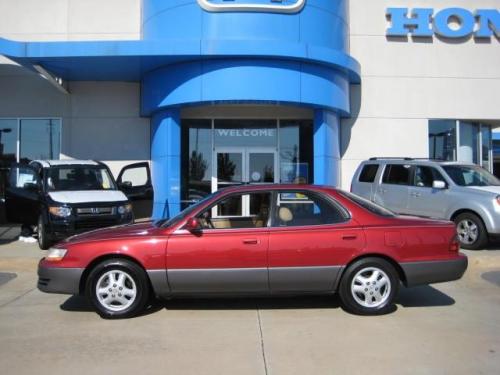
column 360, row 296
column 44, row 239
column 471, row 231
column 129, row 294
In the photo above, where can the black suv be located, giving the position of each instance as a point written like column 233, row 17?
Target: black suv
column 66, row 197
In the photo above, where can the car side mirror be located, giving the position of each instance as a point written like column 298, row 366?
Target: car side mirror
column 193, row 225
column 438, row 184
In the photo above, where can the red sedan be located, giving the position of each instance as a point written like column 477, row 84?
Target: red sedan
column 258, row 240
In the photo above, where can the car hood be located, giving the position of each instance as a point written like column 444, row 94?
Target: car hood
column 87, row 196
column 135, row 230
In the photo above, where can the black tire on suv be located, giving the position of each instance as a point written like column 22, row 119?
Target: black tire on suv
column 44, row 239
column 471, row 231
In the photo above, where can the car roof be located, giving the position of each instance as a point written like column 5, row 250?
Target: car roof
column 268, row 187
column 56, row 163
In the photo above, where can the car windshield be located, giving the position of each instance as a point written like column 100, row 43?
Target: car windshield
column 468, row 175
column 180, row 216
column 368, row 205
column 71, row 178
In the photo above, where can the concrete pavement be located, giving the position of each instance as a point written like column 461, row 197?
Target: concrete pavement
column 441, row 329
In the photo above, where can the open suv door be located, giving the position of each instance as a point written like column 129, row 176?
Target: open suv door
column 134, row 181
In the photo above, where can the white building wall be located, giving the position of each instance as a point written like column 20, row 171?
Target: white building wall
column 100, row 120
column 407, row 82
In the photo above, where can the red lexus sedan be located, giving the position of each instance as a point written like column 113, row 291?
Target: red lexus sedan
column 258, row 240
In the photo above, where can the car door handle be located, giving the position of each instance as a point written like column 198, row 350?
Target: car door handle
column 251, row 241
column 416, row 195
column 349, row 237
column 382, row 191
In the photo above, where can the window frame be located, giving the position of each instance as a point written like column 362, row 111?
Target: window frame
column 413, row 176
column 210, row 207
column 387, row 168
column 18, row 140
column 345, row 213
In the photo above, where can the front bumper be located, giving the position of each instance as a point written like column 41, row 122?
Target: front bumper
column 430, row 272
column 59, row 280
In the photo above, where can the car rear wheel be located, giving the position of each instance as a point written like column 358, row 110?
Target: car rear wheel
column 471, row 231
column 117, row 288
column 369, row 286
column 44, row 240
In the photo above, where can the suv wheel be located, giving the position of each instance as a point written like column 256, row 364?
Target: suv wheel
column 471, row 231
column 44, row 240
column 117, row 288
column 369, row 286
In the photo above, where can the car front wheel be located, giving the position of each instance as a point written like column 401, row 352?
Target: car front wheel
column 471, row 231
column 369, row 286
column 117, row 288
column 44, row 240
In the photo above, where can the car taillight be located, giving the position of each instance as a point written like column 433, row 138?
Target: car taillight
column 454, row 245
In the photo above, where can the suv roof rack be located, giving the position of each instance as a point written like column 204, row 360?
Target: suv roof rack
column 407, row 158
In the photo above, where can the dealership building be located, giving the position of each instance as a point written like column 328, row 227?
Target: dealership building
column 220, row 92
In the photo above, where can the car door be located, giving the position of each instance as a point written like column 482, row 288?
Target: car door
column 424, row 200
column 309, row 240
column 393, row 191
column 22, row 195
column 134, row 181
column 228, row 254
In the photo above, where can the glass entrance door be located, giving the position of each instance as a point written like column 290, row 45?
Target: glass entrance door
column 237, row 166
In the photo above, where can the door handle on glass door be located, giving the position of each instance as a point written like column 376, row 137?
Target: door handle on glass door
column 251, row 241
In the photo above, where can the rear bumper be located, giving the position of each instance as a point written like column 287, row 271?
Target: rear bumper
column 59, row 280
column 420, row 273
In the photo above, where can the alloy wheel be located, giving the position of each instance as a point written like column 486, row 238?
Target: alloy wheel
column 371, row 287
column 116, row 290
column 467, row 231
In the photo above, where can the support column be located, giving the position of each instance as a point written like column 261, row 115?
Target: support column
column 326, row 148
column 166, row 163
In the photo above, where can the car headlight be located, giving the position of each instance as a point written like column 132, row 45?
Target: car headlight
column 126, row 208
column 55, row 255
column 60, row 211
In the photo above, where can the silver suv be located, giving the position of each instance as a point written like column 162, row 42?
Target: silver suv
column 464, row 193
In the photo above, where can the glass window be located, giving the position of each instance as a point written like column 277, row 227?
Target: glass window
column 229, row 212
column 79, row 178
column 465, row 175
column 442, row 139
column 425, row 176
column 368, row 173
column 135, row 176
column 39, row 139
column 21, row 177
column 396, row 174
column 245, row 133
column 469, row 146
column 8, row 141
column 197, row 160
column 486, row 146
column 299, row 209
column 296, row 151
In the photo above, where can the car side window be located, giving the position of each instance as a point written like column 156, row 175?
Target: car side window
column 368, row 173
column 396, row 174
column 238, row 211
column 301, row 208
column 425, row 176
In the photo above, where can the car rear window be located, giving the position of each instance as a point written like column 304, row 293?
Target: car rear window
column 368, row 173
column 368, row 205
column 396, row 174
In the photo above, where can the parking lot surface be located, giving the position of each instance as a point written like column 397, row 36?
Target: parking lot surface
column 451, row 328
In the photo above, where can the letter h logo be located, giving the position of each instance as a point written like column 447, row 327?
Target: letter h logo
column 418, row 23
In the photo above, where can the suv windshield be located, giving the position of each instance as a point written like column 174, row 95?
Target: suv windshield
column 468, row 175
column 368, row 205
column 79, row 178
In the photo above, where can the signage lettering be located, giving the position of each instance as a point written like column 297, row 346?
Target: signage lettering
column 272, row 6
column 246, row 132
column 448, row 23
